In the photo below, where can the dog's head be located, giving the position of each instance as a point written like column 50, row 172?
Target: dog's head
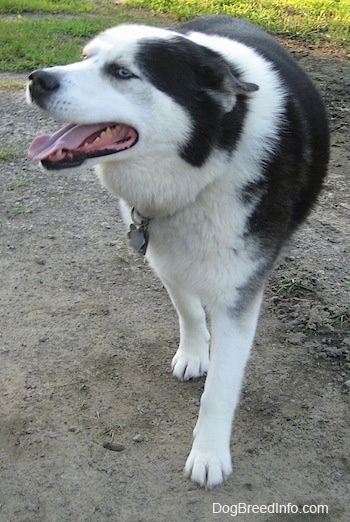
column 139, row 90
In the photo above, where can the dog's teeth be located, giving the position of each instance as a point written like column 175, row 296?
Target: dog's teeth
column 110, row 131
column 107, row 132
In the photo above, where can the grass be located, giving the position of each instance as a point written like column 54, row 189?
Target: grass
column 18, row 211
column 124, row 258
column 36, row 33
column 22, row 182
column 12, row 85
column 29, row 41
column 318, row 21
column 27, row 44
column 342, row 317
column 291, row 286
column 7, row 154
column 47, row 6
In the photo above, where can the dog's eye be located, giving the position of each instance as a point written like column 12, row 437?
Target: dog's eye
column 124, row 74
column 119, row 72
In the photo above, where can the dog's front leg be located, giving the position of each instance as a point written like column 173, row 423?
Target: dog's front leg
column 192, row 357
column 233, row 332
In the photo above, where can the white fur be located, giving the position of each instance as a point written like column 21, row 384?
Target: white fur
column 198, row 219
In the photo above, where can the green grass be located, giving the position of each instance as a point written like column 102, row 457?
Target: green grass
column 37, row 33
column 7, row 154
column 19, row 211
column 12, row 85
column 319, row 21
column 291, row 286
column 42, row 33
column 50, row 6
column 27, row 44
column 342, row 317
column 22, row 182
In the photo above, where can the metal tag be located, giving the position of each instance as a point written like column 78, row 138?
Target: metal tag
column 138, row 238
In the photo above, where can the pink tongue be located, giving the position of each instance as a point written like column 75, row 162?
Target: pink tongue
column 69, row 137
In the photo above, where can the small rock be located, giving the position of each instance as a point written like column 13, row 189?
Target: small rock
column 138, row 438
column 39, row 261
column 347, row 383
column 113, row 446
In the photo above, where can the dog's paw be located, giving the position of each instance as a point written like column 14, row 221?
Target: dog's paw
column 208, row 469
column 188, row 365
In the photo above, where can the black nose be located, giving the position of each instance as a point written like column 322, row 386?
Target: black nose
column 42, row 84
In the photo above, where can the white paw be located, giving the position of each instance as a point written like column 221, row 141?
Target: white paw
column 207, row 468
column 188, row 365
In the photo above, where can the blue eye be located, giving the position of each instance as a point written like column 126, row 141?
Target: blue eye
column 124, row 73
column 118, row 71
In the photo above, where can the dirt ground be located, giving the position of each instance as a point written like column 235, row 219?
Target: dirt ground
column 88, row 332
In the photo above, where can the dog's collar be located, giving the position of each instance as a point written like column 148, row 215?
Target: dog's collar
column 138, row 233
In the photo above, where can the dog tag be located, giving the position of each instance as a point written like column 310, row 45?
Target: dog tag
column 138, row 238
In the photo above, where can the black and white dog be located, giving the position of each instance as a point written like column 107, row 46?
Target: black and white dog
column 217, row 144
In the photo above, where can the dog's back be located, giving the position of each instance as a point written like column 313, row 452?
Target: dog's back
column 295, row 172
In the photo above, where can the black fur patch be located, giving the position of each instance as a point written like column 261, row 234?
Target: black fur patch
column 293, row 178
column 253, row 191
column 190, row 74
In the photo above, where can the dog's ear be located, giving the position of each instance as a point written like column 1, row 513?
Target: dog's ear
column 231, row 86
column 220, row 80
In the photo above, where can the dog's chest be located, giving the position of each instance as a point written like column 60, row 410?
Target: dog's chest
column 200, row 253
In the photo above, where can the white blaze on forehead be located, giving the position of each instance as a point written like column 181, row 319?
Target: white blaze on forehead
column 125, row 34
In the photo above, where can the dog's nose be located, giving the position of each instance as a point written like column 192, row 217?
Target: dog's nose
column 42, row 84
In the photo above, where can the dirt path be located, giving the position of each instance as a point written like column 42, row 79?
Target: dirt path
column 87, row 334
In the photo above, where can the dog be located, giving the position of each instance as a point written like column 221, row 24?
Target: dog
column 216, row 143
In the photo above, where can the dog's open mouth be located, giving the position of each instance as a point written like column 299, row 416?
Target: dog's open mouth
column 73, row 144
